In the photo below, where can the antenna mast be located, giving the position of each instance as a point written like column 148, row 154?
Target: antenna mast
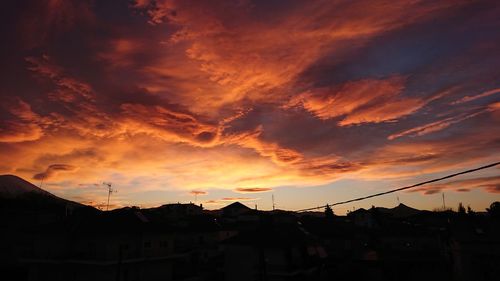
column 41, row 182
column 273, row 201
column 444, row 204
column 110, row 190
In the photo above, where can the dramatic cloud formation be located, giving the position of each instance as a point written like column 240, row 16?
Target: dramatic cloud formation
column 169, row 99
column 438, row 125
column 361, row 101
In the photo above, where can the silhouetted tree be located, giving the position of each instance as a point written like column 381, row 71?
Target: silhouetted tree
column 470, row 211
column 494, row 209
column 461, row 209
column 328, row 212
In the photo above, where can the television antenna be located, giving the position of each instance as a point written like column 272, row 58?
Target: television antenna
column 110, row 190
column 444, row 202
column 41, row 182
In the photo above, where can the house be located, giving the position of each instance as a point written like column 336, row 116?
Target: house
column 363, row 218
column 116, row 245
column 177, row 210
column 475, row 248
column 273, row 252
column 235, row 209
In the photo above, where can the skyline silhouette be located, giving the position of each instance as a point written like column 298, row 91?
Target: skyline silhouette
column 45, row 237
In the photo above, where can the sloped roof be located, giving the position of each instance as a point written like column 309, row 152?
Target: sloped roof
column 120, row 221
column 236, row 205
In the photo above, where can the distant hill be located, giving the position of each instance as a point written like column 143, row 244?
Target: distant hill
column 14, row 188
column 23, row 204
column 399, row 211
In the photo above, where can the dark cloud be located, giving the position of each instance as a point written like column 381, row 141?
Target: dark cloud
column 494, row 188
column 488, row 184
column 226, row 200
column 53, row 170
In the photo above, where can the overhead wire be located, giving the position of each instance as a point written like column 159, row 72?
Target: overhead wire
column 402, row 188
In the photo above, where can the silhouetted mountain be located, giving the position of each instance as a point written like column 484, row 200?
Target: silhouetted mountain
column 399, row 211
column 12, row 186
column 22, row 204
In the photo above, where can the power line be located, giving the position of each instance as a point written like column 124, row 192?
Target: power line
column 403, row 188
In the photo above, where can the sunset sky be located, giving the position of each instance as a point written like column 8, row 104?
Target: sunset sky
column 312, row 101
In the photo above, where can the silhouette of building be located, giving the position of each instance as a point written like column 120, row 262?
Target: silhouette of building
column 273, row 251
column 179, row 210
column 235, row 209
column 41, row 240
column 117, row 245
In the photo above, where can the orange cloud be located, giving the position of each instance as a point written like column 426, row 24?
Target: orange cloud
column 482, row 95
column 363, row 101
column 234, row 58
column 26, row 125
column 11, row 131
column 198, row 192
column 253, row 189
column 400, row 160
column 168, row 124
column 435, row 126
column 67, row 89
column 180, row 96
column 278, row 154
column 494, row 106
column 329, row 103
